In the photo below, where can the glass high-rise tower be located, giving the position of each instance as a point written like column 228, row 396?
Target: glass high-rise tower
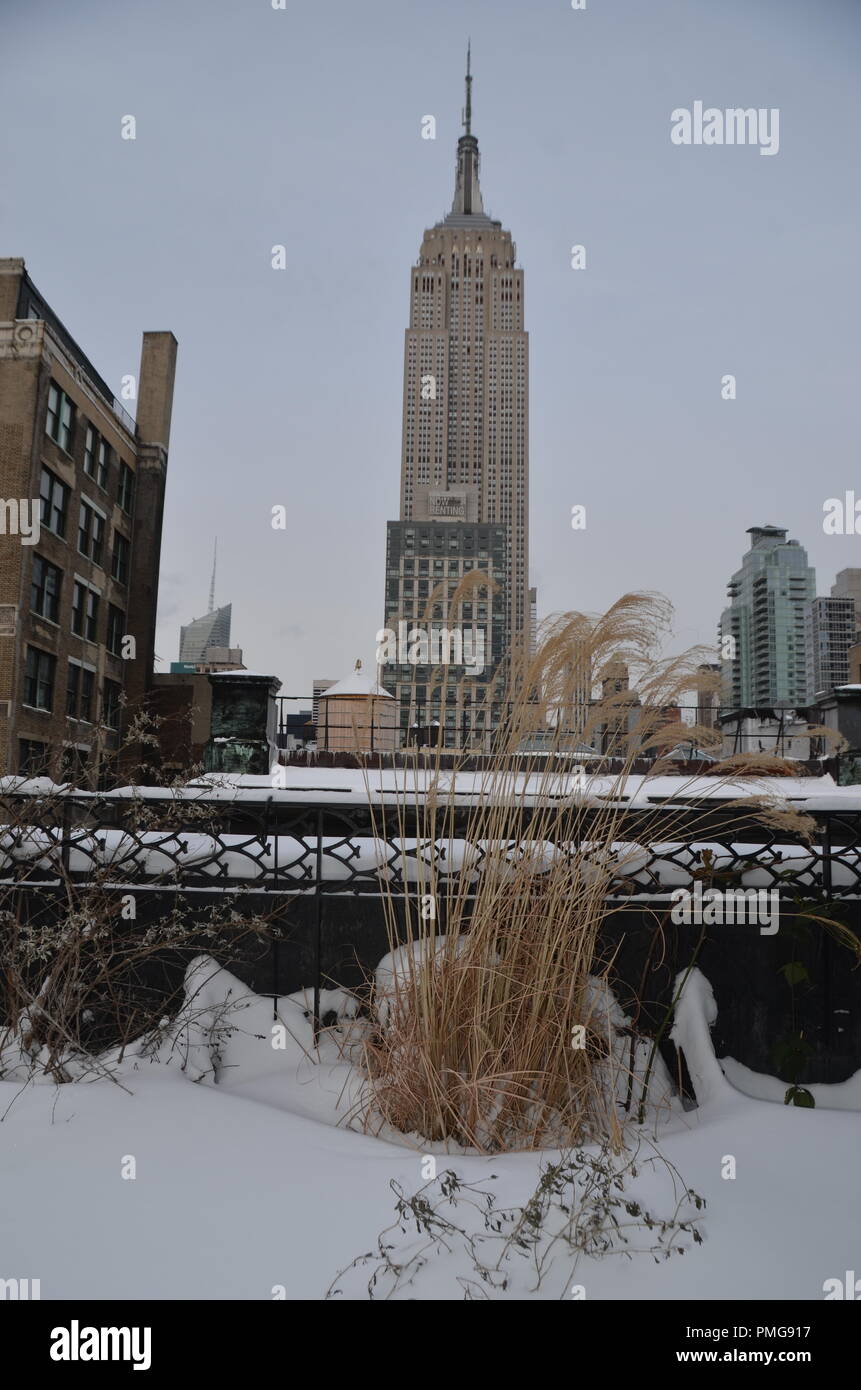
column 763, row 640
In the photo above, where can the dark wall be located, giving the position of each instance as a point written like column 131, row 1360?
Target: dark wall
column 758, row 1010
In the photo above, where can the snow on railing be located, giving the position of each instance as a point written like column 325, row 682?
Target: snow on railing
column 291, row 861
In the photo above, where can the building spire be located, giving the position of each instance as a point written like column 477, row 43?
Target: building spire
column 212, row 581
column 467, row 194
column 467, row 110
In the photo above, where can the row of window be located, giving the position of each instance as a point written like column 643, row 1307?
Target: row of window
column 466, row 539
column 424, row 564
column 54, row 496
column 409, row 695
column 40, row 673
column 98, row 454
column 419, row 694
column 35, row 758
column 45, row 591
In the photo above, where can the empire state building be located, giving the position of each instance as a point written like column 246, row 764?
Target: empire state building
column 464, row 497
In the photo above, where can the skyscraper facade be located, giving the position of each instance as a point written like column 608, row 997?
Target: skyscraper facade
column 847, row 584
column 830, row 632
column 212, row 630
column 763, row 642
column 465, row 445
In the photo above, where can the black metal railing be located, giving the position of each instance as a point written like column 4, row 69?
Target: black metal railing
column 273, row 844
column 317, row 871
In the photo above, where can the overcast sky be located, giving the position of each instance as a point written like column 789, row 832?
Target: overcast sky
column 302, row 126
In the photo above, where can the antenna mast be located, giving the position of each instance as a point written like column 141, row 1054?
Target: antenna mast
column 212, row 582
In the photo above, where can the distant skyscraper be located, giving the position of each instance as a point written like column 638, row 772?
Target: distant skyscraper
column 319, row 686
column 465, row 449
column 707, row 699
column 213, row 630
column 533, row 622
column 830, row 632
column 848, row 585
column 763, row 646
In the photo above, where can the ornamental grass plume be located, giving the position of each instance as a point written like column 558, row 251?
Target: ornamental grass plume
column 494, row 1028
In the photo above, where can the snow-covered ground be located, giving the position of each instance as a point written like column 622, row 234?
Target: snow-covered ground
column 250, row 1183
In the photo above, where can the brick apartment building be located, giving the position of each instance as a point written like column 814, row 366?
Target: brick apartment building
column 84, row 581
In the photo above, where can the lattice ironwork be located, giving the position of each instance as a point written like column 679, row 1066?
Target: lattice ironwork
column 272, row 847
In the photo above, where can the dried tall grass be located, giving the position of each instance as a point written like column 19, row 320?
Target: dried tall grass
column 477, row 1024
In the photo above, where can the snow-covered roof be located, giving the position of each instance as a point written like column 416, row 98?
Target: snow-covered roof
column 397, row 786
column 35, row 786
column 358, row 786
column 256, row 675
column 356, row 684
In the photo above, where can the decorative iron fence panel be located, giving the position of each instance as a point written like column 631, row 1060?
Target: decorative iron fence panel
column 334, row 882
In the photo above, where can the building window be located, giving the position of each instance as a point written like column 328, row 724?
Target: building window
column 126, row 489
column 78, row 596
column 80, row 685
column 73, row 689
column 111, row 704
column 85, row 611
column 54, row 497
column 120, row 560
column 39, row 679
column 104, row 458
column 91, row 533
column 116, row 629
column 45, row 589
column 73, row 764
column 32, row 757
column 97, row 457
column 60, row 418
column 88, row 681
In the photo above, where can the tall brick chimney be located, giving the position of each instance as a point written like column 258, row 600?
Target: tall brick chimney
column 155, row 403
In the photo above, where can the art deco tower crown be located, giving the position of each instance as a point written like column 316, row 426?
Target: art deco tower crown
column 465, row 442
